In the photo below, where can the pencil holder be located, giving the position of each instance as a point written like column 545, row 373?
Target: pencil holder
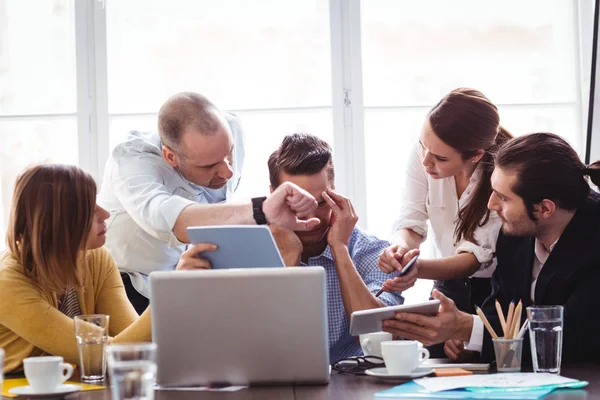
column 508, row 354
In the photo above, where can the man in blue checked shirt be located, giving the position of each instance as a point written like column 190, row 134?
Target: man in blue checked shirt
column 348, row 254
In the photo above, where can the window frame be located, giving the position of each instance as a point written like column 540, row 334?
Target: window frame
column 347, row 91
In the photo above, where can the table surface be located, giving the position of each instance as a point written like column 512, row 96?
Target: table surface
column 343, row 386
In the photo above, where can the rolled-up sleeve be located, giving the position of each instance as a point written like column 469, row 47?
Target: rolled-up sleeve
column 413, row 212
column 138, row 185
column 485, row 251
column 365, row 255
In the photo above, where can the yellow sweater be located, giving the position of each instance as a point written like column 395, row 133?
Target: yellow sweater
column 31, row 325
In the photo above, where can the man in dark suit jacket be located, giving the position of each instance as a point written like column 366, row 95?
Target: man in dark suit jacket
column 548, row 252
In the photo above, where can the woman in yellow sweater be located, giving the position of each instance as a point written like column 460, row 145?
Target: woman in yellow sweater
column 56, row 268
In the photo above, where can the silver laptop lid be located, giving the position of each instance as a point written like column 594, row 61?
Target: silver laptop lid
column 240, row 326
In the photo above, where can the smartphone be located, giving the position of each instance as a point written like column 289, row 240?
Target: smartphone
column 408, row 266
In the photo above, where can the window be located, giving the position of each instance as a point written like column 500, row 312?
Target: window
column 268, row 61
column 38, row 96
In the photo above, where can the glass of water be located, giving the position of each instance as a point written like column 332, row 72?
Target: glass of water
column 91, row 332
column 546, row 336
column 132, row 369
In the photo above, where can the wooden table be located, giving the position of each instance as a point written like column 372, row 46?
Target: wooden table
column 344, row 386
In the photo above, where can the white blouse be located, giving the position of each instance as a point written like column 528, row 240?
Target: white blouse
column 436, row 200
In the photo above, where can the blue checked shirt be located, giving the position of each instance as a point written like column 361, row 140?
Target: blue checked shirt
column 364, row 251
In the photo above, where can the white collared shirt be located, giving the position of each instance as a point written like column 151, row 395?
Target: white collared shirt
column 475, row 342
column 145, row 196
column 436, row 200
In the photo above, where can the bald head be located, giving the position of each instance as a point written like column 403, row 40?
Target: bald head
column 188, row 111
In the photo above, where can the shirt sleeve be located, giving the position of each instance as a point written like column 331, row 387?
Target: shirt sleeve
column 485, row 251
column 413, row 213
column 475, row 342
column 138, row 185
column 365, row 254
column 125, row 324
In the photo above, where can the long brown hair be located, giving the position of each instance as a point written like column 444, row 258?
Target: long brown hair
column 468, row 121
column 50, row 220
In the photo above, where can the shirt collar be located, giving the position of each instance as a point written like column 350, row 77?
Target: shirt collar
column 540, row 251
column 326, row 254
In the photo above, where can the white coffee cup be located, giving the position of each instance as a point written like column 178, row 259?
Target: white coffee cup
column 45, row 374
column 371, row 342
column 403, row 356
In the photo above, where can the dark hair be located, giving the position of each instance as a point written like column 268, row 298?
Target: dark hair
column 300, row 154
column 184, row 110
column 547, row 167
column 51, row 217
column 469, row 122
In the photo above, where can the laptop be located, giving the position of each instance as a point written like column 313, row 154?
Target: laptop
column 240, row 326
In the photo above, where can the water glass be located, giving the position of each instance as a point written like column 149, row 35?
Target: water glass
column 132, row 369
column 546, row 336
column 91, row 332
column 1, row 367
column 508, row 354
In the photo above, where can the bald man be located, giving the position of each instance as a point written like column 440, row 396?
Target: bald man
column 157, row 184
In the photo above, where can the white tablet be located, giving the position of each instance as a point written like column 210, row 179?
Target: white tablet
column 238, row 246
column 367, row 321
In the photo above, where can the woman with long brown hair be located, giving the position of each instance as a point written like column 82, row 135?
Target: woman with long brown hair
column 448, row 184
column 55, row 268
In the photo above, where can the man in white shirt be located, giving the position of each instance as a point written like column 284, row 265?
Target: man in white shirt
column 157, row 184
column 547, row 252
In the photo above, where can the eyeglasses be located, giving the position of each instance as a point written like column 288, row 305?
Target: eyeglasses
column 357, row 365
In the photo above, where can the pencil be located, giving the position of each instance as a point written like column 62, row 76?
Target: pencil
column 501, row 316
column 523, row 329
column 509, row 319
column 486, row 323
column 379, row 293
column 517, row 320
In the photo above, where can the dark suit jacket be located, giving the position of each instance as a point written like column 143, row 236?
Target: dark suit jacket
column 570, row 277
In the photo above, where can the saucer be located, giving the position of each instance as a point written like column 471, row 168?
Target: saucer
column 59, row 391
column 383, row 374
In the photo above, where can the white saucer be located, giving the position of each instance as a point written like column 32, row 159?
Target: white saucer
column 59, row 391
column 383, row 374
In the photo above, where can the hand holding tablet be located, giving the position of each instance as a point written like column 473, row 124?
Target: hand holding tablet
column 367, row 321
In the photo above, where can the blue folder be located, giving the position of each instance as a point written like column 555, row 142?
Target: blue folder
column 411, row 390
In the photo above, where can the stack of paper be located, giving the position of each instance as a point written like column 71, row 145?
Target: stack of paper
column 495, row 386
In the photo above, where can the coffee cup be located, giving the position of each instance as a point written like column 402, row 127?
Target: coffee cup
column 45, row 374
column 371, row 343
column 402, row 357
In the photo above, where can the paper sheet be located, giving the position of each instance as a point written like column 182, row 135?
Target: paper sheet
column 505, row 380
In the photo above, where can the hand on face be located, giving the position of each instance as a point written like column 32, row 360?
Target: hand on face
column 287, row 207
column 191, row 260
column 343, row 218
column 402, row 283
column 449, row 323
column 289, row 245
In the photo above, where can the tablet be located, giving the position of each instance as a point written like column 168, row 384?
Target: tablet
column 243, row 246
column 367, row 321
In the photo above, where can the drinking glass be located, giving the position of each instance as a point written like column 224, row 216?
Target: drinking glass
column 92, row 335
column 546, row 336
column 132, row 369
